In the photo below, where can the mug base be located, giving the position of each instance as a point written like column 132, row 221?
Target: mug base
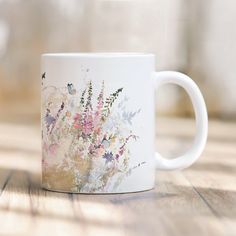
column 97, row 193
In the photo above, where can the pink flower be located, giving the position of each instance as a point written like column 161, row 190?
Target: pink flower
column 121, row 152
column 77, row 121
column 53, row 149
column 88, row 125
column 100, row 152
column 91, row 148
column 77, row 126
column 77, row 116
column 97, row 130
column 96, row 120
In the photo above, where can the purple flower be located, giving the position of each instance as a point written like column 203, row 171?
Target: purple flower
column 49, row 120
column 108, row 156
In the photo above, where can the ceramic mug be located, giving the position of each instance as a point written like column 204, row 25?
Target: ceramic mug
column 98, row 122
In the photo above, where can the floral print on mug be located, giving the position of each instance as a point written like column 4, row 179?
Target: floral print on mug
column 85, row 140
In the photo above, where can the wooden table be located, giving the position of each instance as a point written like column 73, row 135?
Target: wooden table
column 198, row 201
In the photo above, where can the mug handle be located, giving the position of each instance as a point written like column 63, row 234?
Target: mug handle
column 181, row 162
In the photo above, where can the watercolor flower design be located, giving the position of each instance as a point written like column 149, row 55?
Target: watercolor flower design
column 86, row 137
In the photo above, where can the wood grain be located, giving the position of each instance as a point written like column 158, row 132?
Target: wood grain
column 200, row 200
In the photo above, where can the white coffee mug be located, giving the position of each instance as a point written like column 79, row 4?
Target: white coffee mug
column 98, row 122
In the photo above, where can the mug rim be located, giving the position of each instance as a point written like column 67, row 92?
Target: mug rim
column 99, row 54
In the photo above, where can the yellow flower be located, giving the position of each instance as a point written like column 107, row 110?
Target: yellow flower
column 68, row 114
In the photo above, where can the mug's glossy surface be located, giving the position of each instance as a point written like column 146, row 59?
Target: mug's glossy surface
column 98, row 122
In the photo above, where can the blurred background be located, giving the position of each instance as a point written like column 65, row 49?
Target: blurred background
column 196, row 37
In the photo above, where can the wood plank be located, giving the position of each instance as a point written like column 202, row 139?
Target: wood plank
column 15, row 210
column 198, row 201
column 53, row 212
column 214, row 180
column 213, row 176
